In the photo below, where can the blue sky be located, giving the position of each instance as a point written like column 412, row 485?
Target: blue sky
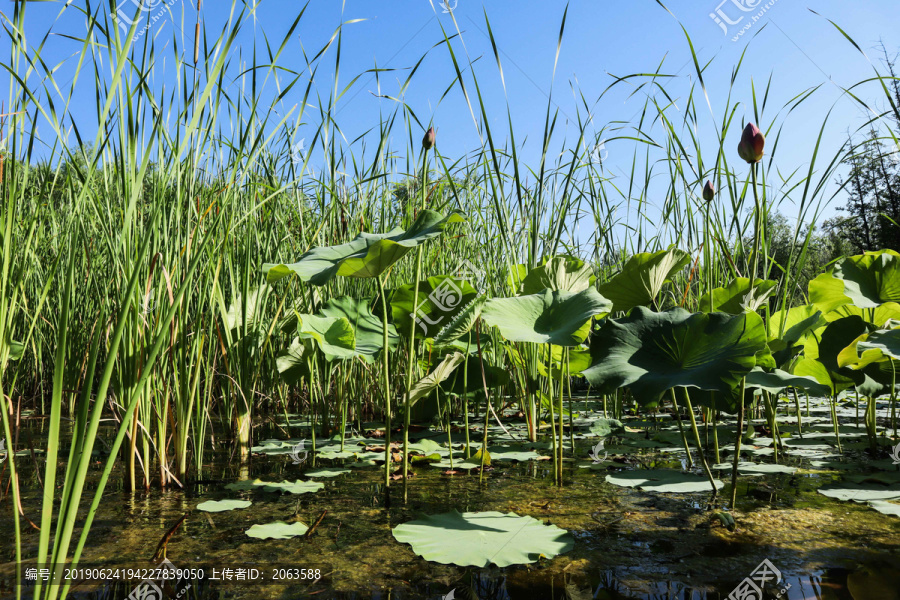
column 797, row 48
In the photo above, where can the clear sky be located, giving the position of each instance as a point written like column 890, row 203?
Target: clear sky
column 795, row 47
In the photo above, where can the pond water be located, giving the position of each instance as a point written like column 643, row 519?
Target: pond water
column 629, row 543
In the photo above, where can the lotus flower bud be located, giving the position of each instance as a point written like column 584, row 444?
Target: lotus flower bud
column 753, row 144
column 709, row 192
column 428, row 140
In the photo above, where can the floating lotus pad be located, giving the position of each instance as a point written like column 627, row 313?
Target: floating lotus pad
column 859, row 493
column 278, row 530
column 222, row 505
column 326, row 472
column 886, row 508
column 749, row 468
column 479, row 539
column 297, row 487
column 673, row 482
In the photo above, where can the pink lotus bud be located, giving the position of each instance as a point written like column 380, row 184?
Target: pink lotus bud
column 428, row 140
column 709, row 192
column 753, row 144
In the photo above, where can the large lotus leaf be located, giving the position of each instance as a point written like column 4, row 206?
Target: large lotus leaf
column 652, row 352
column 878, row 317
column 787, row 330
column 326, row 472
column 222, row 505
column 240, row 312
column 886, row 508
column 469, row 380
column 427, row 384
column 738, row 296
column 279, row 530
column 778, row 380
column 478, row 539
column 368, row 329
column 369, row 255
column 563, row 273
column 577, row 360
column 808, row 367
column 859, row 492
column 642, row 278
column 16, row 350
column 560, row 318
column 516, row 277
column 440, row 299
column 296, row 487
column 827, row 342
column 334, row 336
column 673, row 482
column 866, row 281
column 291, row 362
column 749, row 468
column 870, row 348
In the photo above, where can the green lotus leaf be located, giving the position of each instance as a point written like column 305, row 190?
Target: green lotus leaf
column 334, row 335
column 788, row 329
column 427, row 384
column 886, row 508
column 606, row 427
column 859, row 492
column 578, row 359
column 504, row 454
column 778, row 380
column 866, row 281
column 811, row 368
column 325, row 472
column 870, row 348
column 291, row 362
column 240, row 312
column 738, row 296
column 642, row 278
column 440, row 300
column 749, row 468
column 660, row 480
column 875, row 316
column 16, row 350
column 479, row 539
column 368, row 329
column 467, row 379
column 368, row 255
column 560, row 318
column 561, row 273
column 296, row 487
column 222, row 505
column 279, row 530
column 652, row 352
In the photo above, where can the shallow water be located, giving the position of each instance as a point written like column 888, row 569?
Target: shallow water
column 628, row 543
